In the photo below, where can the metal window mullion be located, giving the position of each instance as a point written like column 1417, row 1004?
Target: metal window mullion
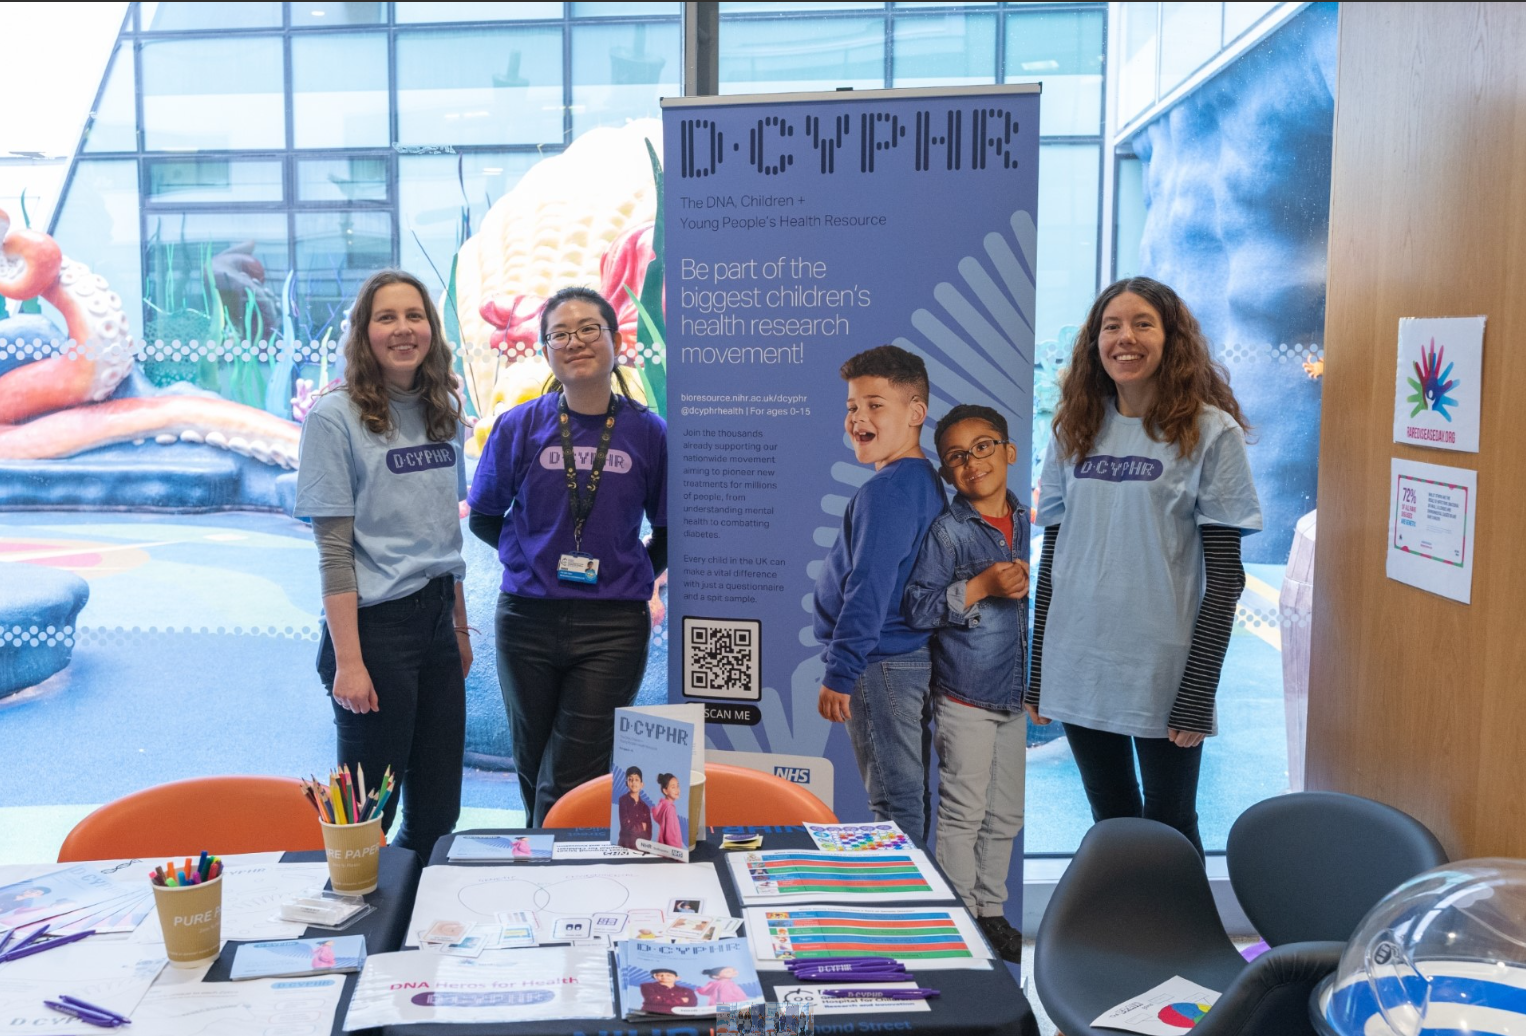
column 566, row 77
column 889, row 51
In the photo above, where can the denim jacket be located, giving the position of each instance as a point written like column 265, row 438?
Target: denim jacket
column 979, row 653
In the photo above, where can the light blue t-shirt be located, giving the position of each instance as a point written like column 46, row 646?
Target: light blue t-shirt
column 1128, row 567
column 402, row 490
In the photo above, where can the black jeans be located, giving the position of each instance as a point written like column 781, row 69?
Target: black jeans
column 419, row 729
column 564, row 668
column 1106, row 762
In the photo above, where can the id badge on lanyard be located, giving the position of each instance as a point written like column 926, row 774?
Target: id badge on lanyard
column 578, row 567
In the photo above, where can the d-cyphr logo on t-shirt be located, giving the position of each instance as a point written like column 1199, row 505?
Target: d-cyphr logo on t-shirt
column 407, row 459
column 617, row 462
column 1120, row 469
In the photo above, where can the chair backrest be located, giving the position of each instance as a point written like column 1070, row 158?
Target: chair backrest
column 1310, row 865
column 734, row 795
column 219, row 814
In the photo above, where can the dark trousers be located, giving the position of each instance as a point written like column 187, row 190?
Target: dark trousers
column 1170, row 775
column 409, row 648
column 564, row 668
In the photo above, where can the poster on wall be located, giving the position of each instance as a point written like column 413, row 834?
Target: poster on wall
column 1432, row 527
column 800, row 230
column 1436, row 393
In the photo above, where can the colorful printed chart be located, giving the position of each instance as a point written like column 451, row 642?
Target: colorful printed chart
column 925, row 937
column 879, row 836
column 860, row 877
column 1184, row 1015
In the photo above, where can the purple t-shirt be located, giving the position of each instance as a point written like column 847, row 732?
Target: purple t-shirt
column 521, row 475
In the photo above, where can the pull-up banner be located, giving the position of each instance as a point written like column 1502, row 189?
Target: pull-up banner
column 799, row 230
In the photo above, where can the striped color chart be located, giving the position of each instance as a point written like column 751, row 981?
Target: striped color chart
column 811, row 873
column 808, row 932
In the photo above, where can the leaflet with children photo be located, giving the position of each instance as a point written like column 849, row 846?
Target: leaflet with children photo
column 658, row 750
column 685, row 979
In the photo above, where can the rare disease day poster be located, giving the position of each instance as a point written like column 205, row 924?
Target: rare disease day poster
column 1437, row 390
column 1431, row 528
column 800, row 230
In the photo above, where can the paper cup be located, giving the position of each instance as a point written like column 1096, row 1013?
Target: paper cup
column 354, row 852
column 192, row 919
column 696, row 806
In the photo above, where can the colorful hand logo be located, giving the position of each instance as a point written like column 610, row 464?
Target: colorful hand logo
column 1432, row 387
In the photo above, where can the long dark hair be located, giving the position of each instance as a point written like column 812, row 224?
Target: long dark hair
column 578, row 293
column 363, row 377
column 1188, row 380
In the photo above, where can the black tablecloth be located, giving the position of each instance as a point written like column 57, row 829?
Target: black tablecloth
column 397, row 879
column 980, row 1003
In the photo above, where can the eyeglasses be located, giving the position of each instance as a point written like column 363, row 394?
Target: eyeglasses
column 587, row 334
column 982, row 449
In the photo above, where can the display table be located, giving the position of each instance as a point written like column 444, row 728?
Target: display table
column 972, row 1001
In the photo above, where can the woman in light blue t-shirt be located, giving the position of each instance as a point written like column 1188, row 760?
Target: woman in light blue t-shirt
column 1145, row 493
column 380, row 476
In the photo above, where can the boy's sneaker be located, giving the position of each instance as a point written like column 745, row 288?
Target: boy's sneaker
column 1005, row 940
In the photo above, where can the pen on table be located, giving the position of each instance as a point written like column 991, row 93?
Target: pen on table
column 88, row 1017
column 884, row 994
column 29, row 940
column 85, row 1005
column 43, row 947
column 7, row 940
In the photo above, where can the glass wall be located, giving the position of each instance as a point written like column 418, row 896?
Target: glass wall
column 1165, row 43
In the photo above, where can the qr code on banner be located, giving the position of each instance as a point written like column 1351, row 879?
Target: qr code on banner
column 722, row 658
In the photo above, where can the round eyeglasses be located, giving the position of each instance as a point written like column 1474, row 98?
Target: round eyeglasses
column 587, row 334
column 982, row 449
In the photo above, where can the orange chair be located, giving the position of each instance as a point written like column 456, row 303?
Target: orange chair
column 218, row 814
column 734, row 796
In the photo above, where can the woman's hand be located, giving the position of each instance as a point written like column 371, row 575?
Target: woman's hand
column 464, row 644
column 1185, row 738
column 353, row 689
column 834, row 707
column 1033, row 714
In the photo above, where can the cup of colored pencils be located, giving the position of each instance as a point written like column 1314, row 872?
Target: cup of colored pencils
column 189, row 899
column 351, row 817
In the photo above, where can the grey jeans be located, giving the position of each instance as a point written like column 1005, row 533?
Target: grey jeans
column 981, row 757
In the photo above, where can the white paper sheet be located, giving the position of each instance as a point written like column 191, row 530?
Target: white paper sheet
column 180, row 1004
column 1433, row 527
column 110, row 973
column 800, row 876
column 780, row 933
column 476, row 895
column 1171, row 1008
column 548, row 982
column 252, row 895
column 594, row 851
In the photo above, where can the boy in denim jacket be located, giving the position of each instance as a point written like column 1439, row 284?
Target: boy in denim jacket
column 970, row 586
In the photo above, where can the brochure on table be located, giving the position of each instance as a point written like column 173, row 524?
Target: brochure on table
column 1173, row 1007
column 791, row 875
column 686, row 980
column 862, row 1002
column 922, row 937
column 1437, row 392
column 556, row 895
column 542, row 984
column 1432, row 527
column 298, row 957
column 507, row 848
column 657, row 750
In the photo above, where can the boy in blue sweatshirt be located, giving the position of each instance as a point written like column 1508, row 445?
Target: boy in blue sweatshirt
column 970, row 587
column 878, row 667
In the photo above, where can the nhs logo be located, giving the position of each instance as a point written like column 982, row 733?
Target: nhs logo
column 794, row 774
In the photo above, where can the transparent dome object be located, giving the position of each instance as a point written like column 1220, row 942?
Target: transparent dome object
column 1444, row 953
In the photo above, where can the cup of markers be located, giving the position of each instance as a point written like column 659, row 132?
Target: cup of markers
column 351, row 818
column 190, row 904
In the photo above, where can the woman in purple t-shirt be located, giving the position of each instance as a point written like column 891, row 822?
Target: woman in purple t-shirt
column 560, row 491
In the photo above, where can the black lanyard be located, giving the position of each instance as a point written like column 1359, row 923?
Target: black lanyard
column 582, row 506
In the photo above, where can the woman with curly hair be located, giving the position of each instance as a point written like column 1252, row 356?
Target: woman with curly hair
column 1145, row 493
column 381, row 474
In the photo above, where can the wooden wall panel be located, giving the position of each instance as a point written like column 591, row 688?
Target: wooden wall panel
column 1416, row 700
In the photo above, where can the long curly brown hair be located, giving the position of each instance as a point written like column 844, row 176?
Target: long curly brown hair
column 363, row 376
column 1188, row 380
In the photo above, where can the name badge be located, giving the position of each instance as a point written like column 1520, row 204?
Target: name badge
column 578, row 568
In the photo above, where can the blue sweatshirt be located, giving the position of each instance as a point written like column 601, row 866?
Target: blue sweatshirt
column 859, row 591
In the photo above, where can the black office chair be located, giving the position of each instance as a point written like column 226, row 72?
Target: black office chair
column 1134, row 908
